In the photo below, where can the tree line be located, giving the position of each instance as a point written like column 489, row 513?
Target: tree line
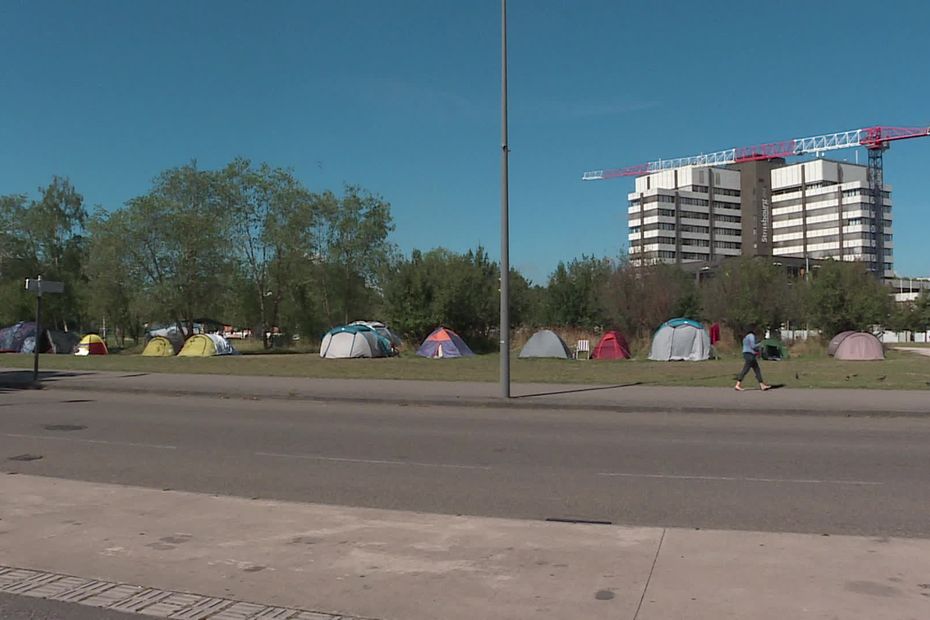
column 249, row 245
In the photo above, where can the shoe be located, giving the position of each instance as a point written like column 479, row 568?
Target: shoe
column 739, row 388
column 765, row 387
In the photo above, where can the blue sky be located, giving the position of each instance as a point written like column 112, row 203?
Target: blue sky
column 402, row 97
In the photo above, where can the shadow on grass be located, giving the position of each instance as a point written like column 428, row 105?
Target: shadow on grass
column 577, row 390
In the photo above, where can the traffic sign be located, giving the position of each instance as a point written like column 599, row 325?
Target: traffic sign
column 42, row 287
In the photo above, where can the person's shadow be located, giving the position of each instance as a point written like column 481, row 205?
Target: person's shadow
column 579, row 390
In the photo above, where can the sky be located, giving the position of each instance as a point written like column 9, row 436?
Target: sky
column 402, row 97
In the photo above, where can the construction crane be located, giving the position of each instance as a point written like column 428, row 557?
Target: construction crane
column 874, row 139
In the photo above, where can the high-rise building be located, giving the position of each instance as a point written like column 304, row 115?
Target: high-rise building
column 811, row 210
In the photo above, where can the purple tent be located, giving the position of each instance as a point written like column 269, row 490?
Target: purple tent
column 444, row 343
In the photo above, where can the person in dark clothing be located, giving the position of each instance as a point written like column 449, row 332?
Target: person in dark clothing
column 751, row 362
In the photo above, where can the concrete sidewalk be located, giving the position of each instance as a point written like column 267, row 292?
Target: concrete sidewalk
column 530, row 395
column 409, row 566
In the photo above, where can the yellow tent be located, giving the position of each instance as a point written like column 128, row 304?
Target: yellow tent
column 206, row 345
column 91, row 344
column 159, row 346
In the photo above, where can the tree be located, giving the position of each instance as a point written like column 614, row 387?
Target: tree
column 574, row 295
column 846, row 296
column 749, row 292
column 440, row 287
column 353, row 250
column 44, row 237
column 177, row 248
column 273, row 220
column 640, row 298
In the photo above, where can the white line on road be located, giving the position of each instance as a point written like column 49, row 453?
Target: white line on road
column 334, row 459
column 92, row 441
column 742, row 479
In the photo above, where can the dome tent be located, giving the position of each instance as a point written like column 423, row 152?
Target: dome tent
column 773, row 350
column 91, row 344
column 836, row 340
column 680, row 340
column 444, row 342
column 859, row 346
column 546, row 343
column 611, row 346
column 206, row 345
column 354, row 341
column 162, row 346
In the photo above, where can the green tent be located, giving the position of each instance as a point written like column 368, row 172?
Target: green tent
column 774, row 350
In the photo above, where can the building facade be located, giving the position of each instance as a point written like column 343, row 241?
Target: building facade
column 811, row 210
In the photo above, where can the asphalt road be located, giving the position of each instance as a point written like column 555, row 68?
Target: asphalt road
column 826, row 475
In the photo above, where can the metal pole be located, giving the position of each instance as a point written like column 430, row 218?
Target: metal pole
column 35, row 348
column 505, row 217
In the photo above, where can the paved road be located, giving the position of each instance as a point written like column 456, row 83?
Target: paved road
column 769, row 473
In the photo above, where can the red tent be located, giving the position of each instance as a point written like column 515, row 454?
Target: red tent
column 612, row 346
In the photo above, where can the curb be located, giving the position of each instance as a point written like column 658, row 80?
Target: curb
column 518, row 403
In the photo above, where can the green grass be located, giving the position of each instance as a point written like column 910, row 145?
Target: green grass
column 901, row 370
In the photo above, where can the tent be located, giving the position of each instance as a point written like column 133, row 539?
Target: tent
column 444, row 343
column 352, row 341
column 773, row 349
column 546, row 343
column 383, row 330
column 13, row 337
column 611, row 346
column 21, row 338
column 680, row 339
column 206, row 345
column 860, row 346
column 836, row 340
column 162, row 346
column 91, row 344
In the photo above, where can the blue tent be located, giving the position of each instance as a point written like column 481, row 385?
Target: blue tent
column 444, row 343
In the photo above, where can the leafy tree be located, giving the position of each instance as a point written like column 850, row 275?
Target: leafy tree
column 44, row 237
column 574, row 295
column 750, row 291
column 353, row 251
column 922, row 311
column 640, row 298
column 273, row 219
column 845, row 296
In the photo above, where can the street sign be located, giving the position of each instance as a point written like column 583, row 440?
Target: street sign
column 44, row 287
column 40, row 287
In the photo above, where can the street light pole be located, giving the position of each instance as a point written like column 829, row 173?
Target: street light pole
column 505, row 218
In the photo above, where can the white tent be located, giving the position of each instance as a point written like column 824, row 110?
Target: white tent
column 382, row 329
column 680, row 340
column 353, row 341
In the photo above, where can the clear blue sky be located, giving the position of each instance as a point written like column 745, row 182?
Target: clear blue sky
column 402, row 97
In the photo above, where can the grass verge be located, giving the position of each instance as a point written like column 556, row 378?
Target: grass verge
column 901, row 370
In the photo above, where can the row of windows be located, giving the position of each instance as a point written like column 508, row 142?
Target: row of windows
column 848, row 193
column 729, row 245
column 726, row 205
column 723, row 191
column 698, row 202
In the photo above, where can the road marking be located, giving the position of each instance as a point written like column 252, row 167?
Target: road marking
column 334, row 459
column 103, row 442
column 741, row 479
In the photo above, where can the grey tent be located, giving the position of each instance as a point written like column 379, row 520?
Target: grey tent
column 680, row 340
column 860, row 346
column 836, row 340
column 546, row 343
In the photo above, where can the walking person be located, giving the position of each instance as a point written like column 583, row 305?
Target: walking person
column 750, row 361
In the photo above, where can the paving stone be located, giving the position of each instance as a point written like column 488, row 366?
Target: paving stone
column 86, row 591
column 39, row 579
column 171, row 604
column 204, row 608
column 138, row 602
column 9, row 576
column 54, row 588
column 240, row 611
column 112, row 595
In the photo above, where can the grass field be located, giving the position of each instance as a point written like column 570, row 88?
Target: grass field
column 901, row 370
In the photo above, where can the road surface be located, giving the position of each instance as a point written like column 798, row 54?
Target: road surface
column 828, row 474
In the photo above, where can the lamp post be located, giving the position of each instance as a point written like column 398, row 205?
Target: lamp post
column 505, row 218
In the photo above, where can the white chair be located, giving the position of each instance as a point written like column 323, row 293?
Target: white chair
column 583, row 346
